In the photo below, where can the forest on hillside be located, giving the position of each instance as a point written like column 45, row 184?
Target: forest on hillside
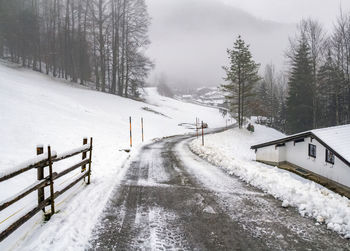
column 313, row 93
column 102, row 43
column 84, row 41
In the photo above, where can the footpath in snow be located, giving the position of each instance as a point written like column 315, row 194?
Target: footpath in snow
column 231, row 151
column 36, row 109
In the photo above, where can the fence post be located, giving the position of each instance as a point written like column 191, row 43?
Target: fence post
column 40, row 176
column 52, row 202
column 202, row 134
column 90, row 157
column 142, row 129
column 83, row 167
column 130, row 132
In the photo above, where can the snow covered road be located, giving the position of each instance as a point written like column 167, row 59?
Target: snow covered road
column 172, row 199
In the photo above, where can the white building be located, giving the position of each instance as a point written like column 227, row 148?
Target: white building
column 325, row 152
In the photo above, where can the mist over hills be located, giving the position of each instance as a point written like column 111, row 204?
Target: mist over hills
column 190, row 38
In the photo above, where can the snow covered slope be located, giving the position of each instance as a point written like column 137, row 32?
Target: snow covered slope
column 35, row 109
column 230, row 150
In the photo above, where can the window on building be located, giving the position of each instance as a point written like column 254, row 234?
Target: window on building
column 329, row 157
column 312, row 150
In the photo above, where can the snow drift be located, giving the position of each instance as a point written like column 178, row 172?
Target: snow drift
column 230, row 150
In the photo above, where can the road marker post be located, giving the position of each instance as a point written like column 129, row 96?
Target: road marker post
column 142, row 129
column 202, row 134
column 130, row 132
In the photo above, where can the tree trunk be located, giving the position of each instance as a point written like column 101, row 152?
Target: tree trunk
column 72, row 46
column 122, row 67
column 66, row 42
column 127, row 60
column 239, row 98
column 101, row 43
column 115, row 45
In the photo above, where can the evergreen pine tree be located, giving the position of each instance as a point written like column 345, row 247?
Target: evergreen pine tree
column 241, row 75
column 263, row 97
column 330, row 85
column 281, row 124
column 300, row 94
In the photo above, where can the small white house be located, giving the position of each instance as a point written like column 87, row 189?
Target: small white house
column 325, row 152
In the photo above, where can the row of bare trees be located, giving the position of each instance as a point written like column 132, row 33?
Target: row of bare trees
column 86, row 41
column 271, row 98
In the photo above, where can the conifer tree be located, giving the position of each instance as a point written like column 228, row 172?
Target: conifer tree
column 263, row 96
column 300, row 94
column 241, row 77
column 331, row 83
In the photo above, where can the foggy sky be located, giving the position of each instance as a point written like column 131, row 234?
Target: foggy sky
column 190, row 37
column 293, row 10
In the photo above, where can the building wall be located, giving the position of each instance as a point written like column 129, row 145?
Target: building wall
column 298, row 154
column 282, row 153
column 269, row 153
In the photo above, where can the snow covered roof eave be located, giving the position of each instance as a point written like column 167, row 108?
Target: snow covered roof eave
column 300, row 136
column 282, row 140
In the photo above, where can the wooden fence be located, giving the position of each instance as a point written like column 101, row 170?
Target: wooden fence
column 46, row 160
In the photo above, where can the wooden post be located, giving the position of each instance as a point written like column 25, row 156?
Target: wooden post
column 40, row 176
column 90, row 157
column 142, row 129
column 83, row 167
column 202, row 134
column 130, row 132
column 52, row 199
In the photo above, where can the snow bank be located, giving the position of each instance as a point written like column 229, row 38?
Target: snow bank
column 230, row 150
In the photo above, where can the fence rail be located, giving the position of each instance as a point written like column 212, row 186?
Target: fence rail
column 42, row 161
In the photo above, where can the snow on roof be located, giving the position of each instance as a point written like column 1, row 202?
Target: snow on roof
column 337, row 137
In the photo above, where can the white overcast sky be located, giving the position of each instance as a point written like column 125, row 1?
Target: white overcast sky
column 190, row 37
column 292, row 10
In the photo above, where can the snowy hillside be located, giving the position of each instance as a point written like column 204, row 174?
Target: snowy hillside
column 36, row 109
column 231, row 151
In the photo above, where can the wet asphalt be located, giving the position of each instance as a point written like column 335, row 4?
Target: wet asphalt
column 166, row 202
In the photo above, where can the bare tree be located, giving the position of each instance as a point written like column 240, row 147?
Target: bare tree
column 82, row 40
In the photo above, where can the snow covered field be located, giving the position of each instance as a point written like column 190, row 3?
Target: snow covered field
column 231, row 151
column 35, row 109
